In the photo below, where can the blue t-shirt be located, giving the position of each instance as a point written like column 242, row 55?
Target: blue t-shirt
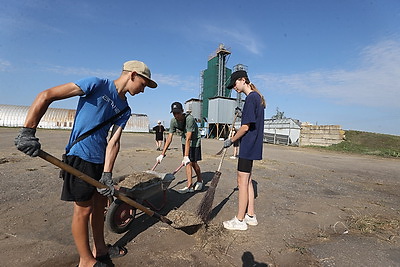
column 99, row 103
column 251, row 144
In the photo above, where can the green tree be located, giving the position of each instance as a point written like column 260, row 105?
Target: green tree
column 278, row 115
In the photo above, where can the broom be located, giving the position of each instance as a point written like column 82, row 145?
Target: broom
column 204, row 208
column 230, row 132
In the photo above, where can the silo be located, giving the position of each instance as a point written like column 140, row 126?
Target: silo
column 214, row 78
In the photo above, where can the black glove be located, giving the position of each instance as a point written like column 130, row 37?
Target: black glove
column 106, row 179
column 227, row 143
column 27, row 142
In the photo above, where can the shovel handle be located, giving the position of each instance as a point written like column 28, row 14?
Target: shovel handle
column 155, row 165
column 44, row 155
column 177, row 169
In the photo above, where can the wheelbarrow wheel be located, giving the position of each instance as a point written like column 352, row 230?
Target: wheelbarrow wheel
column 119, row 216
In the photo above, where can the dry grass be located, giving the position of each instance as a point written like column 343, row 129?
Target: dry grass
column 215, row 240
column 373, row 224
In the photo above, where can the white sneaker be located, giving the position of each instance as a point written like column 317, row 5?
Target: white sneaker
column 198, row 186
column 185, row 190
column 250, row 220
column 235, row 224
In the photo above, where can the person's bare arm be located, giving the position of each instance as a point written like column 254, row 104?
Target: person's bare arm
column 242, row 131
column 45, row 98
column 112, row 149
column 167, row 143
column 187, row 143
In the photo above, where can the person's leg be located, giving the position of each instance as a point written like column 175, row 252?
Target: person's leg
column 238, row 222
column 159, row 144
column 243, row 184
column 189, row 174
column 80, row 232
column 97, row 223
column 188, row 168
column 197, row 170
column 250, row 206
column 195, row 156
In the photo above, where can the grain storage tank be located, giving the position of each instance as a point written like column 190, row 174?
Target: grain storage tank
column 193, row 106
column 221, row 112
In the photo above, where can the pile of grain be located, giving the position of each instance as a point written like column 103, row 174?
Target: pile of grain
column 182, row 219
column 139, row 179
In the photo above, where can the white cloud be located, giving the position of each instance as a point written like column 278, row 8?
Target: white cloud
column 239, row 37
column 375, row 83
column 184, row 84
column 82, row 71
column 4, row 65
column 189, row 84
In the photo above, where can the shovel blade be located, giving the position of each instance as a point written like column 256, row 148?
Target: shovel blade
column 157, row 174
column 168, row 177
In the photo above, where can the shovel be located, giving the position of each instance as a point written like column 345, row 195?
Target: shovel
column 53, row 160
column 164, row 176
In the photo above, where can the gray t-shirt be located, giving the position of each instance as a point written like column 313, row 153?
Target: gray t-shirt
column 187, row 125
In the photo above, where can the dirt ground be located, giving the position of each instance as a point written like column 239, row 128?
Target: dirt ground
column 314, row 209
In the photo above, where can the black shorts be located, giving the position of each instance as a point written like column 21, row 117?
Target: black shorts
column 159, row 136
column 245, row 165
column 75, row 189
column 194, row 153
column 236, row 143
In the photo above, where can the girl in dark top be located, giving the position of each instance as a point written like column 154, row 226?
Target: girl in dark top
column 250, row 135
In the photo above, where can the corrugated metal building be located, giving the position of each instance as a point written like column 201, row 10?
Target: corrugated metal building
column 282, row 131
column 58, row 118
column 138, row 123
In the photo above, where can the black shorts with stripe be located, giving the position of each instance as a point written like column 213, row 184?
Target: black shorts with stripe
column 194, row 153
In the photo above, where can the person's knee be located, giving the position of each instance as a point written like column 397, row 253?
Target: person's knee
column 243, row 179
column 195, row 165
column 242, row 185
column 82, row 211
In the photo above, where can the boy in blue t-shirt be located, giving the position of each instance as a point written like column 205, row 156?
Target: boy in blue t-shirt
column 99, row 100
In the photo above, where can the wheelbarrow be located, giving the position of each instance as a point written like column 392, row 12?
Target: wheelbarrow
column 119, row 195
column 120, row 214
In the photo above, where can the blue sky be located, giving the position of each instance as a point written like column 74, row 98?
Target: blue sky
column 323, row 62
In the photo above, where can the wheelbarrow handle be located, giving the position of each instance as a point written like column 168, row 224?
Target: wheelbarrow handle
column 53, row 160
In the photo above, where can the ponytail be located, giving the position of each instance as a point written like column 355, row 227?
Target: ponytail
column 254, row 88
